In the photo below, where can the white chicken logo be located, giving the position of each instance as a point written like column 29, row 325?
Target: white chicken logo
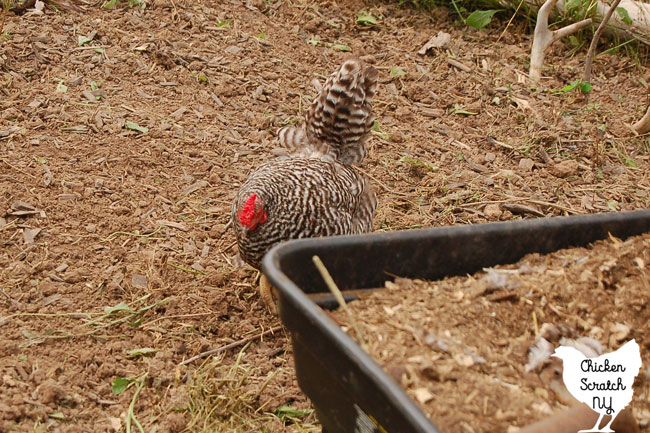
column 603, row 383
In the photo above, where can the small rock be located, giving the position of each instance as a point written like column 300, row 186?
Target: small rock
column 565, row 168
column 139, row 281
column 492, row 211
column 89, row 96
column 73, row 276
column 8, row 381
column 116, row 423
column 75, row 81
column 478, row 167
column 526, row 164
column 51, row 299
column 50, row 392
column 464, row 360
column 487, row 181
column 21, row 205
column 397, row 137
column 11, row 113
column 47, row 287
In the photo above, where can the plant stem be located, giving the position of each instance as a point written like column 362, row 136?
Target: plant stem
column 5, row 9
column 453, row 2
column 594, row 40
column 130, row 415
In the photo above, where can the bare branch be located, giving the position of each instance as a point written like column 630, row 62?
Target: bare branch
column 571, row 28
column 231, row 345
column 543, row 37
column 594, row 40
column 643, row 125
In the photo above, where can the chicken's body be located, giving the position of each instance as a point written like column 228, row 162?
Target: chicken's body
column 303, row 197
column 314, row 191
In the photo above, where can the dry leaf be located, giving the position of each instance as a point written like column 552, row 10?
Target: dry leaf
column 139, row 281
column 116, row 423
column 438, row 41
column 423, row 395
column 195, row 187
column 29, row 235
column 172, row 224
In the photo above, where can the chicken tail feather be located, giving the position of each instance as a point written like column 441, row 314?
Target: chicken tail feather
column 341, row 116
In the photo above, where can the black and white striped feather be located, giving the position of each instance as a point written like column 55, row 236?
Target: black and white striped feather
column 339, row 119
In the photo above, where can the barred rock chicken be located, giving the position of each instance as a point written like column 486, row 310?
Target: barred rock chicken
column 314, row 191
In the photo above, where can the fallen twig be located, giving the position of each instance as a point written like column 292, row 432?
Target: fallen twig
column 557, row 206
column 231, row 345
column 380, row 183
column 459, row 65
column 517, row 208
column 493, row 141
column 512, row 199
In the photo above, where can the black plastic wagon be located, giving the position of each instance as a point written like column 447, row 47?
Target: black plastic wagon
column 350, row 392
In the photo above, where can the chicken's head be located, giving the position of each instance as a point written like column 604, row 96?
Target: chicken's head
column 252, row 214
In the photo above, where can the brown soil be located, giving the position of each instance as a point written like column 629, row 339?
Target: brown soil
column 460, row 346
column 95, row 213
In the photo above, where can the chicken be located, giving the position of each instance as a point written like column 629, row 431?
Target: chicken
column 605, row 382
column 313, row 191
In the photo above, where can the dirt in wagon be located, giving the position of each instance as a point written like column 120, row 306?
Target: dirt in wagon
column 125, row 132
column 460, row 346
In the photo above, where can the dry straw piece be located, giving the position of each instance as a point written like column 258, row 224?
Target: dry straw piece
column 339, row 297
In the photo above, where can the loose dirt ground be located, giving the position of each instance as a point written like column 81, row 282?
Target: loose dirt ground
column 116, row 260
column 460, row 346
